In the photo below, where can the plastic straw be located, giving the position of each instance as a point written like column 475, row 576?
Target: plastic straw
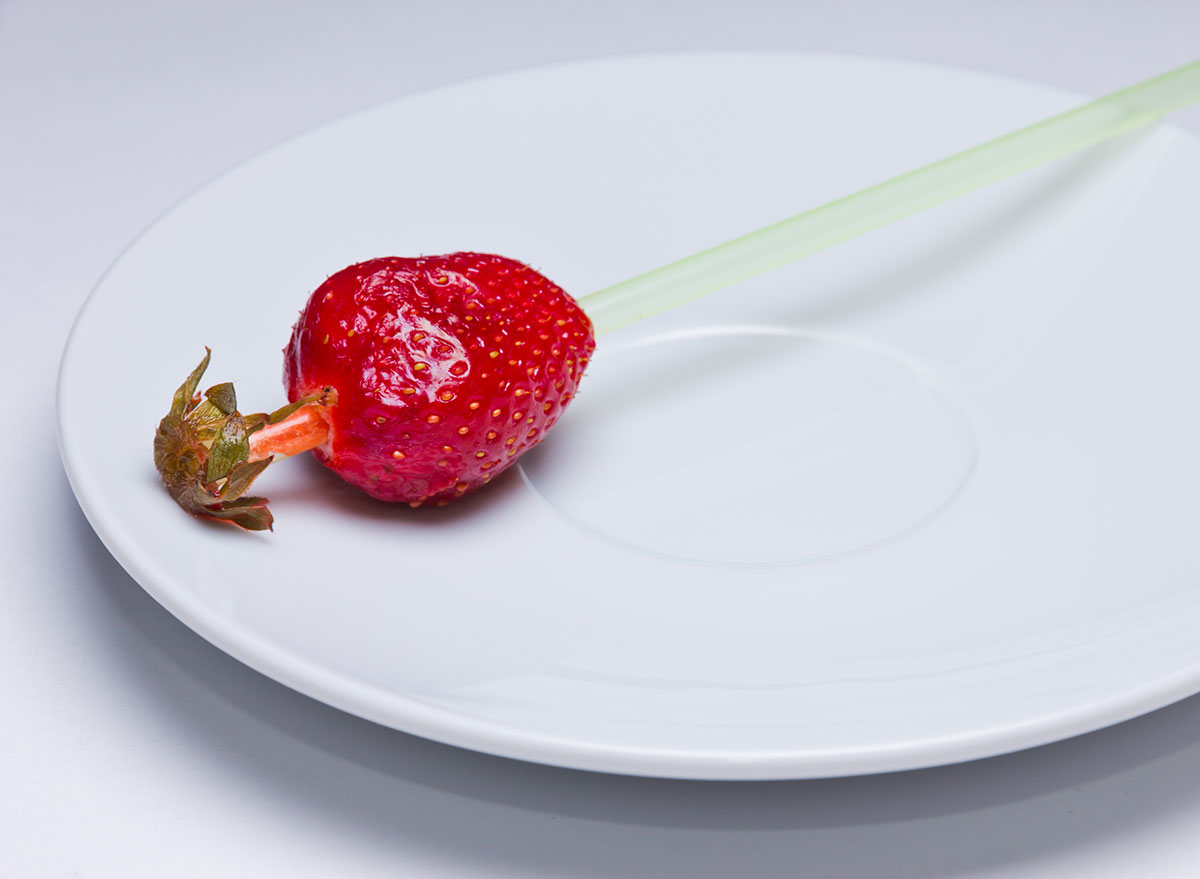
column 848, row 217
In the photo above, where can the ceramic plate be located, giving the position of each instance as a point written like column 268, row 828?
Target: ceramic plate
column 929, row 496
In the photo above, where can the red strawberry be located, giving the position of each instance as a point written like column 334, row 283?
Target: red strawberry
column 446, row 369
column 415, row 379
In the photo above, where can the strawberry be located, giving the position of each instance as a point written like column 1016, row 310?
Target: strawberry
column 414, row 379
column 446, row 369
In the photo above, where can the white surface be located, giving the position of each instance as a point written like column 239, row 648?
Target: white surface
column 135, row 749
column 898, row 506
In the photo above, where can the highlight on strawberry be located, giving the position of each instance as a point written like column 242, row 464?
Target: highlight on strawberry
column 417, row 380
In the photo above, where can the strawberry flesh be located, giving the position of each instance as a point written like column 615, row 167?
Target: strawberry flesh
column 446, row 369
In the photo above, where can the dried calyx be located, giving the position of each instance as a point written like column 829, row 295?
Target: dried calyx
column 209, row 454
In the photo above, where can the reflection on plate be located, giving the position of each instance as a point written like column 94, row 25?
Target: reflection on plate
column 844, row 444
column 926, row 497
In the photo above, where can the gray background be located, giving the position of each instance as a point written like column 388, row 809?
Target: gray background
column 132, row 748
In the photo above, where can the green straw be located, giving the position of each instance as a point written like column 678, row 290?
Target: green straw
column 780, row 243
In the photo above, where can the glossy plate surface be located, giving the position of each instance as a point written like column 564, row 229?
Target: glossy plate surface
column 930, row 496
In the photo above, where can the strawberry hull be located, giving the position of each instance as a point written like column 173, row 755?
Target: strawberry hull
column 446, row 369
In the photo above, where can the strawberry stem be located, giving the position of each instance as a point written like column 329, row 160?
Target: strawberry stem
column 306, row 428
column 208, row 454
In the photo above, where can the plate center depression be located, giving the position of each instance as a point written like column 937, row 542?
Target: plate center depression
column 753, row 446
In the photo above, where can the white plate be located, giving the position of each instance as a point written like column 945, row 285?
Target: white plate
column 930, row 496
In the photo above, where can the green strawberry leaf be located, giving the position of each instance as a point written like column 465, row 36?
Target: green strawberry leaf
column 229, row 447
column 187, row 390
column 223, row 397
column 201, row 451
column 248, row 513
column 240, row 478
